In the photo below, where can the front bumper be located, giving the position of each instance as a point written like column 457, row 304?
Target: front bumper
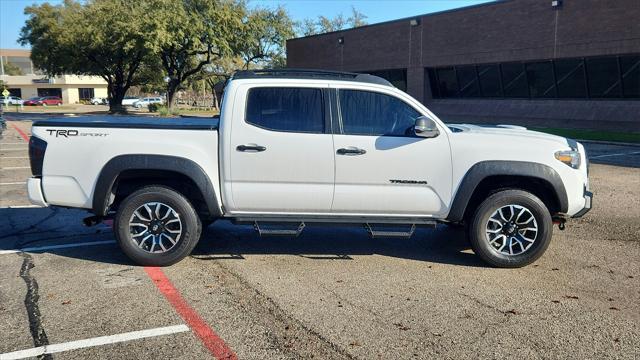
column 588, row 199
column 34, row 189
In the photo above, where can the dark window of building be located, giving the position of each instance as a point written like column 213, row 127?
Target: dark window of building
column 397, row 77
column 370, row 113
column 604, row 77
column 433, row 83
column 570, row 78
column 490, row 80
column 286, row 109
column 50, row 92
column 630, row 68
column 85, row 93
column 468, row 81
column 514, row 80
column 447, row 82
column 541, row 81
column 15, row 92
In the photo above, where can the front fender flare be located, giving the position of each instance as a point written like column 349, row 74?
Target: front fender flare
column 484, row 169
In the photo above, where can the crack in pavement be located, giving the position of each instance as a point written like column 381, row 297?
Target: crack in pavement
column 31, row 304
column 264, row 305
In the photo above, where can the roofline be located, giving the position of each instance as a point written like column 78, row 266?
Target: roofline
column 490, row 3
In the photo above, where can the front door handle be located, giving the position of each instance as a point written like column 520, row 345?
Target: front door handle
column 251, row 148
column 351, row 151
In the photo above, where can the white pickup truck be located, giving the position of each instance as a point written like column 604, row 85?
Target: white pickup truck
column 293, row 148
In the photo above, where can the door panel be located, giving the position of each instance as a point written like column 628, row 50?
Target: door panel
column 281, row 160
column 394, row 173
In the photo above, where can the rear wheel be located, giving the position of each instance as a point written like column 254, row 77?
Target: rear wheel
column 157, row 226
column 511, row 228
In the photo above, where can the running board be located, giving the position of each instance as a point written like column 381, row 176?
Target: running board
column 392, row 234
column 279, row 232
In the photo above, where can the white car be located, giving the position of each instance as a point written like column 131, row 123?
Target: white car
column 295, row 148
column 129, row 100
column 145, row 102
column 11, row 100
column 99, row 101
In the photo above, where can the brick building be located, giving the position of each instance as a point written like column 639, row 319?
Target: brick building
column 569, row 63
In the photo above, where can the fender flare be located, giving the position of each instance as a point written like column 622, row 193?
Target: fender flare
column 114, row 167
column 484, row 169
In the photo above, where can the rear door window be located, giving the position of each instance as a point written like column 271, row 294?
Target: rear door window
column 286, row 109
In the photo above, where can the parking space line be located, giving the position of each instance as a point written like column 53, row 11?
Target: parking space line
column 15, row 157
column 53, row 247
column 14, row 183
column 92, row 342
column 619, row 154
column 20, row 143
column 15, row 168
column 214, row 343
column 14, row 149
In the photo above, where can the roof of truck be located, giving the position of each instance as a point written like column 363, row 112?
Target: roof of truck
column 310, row 74
column 135, row 122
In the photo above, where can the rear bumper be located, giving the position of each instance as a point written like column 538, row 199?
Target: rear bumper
column 34, row 189
column 588, row 200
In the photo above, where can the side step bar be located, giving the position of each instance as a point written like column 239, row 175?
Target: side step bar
column 387, row 233
column 279, row 232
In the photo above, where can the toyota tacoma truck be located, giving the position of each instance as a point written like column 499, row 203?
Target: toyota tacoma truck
column 293, row 148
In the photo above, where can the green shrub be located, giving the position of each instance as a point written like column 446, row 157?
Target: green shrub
column 156, row 107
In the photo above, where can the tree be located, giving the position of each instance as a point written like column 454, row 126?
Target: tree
column 265, row 34
column 323, row 24
column 192, row 33
column 107, row 38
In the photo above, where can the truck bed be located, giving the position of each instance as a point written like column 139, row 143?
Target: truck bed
column 132, row 122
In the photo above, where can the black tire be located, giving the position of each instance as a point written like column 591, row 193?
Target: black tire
column 478, row 229
column 191, row 226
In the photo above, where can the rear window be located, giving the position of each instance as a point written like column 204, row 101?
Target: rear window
column 286, row 109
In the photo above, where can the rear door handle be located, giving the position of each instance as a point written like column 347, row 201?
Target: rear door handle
column 251, row 148
column 351, row 151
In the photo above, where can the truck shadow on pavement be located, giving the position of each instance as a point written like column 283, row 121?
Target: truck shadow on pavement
column 36, row 228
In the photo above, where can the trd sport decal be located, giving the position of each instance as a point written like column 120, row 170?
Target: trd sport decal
column 69, row 133
column 420, row 182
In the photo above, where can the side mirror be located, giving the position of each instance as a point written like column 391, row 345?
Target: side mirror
column 426, row 127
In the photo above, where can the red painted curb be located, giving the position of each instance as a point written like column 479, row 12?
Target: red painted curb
column 22, row 133
column 216, row 346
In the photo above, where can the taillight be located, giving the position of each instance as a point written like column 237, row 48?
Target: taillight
column 37, row 148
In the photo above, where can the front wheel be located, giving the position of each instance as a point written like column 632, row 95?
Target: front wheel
column 511, row 229
column 157, row 226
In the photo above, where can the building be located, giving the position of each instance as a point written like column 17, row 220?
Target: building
column 23, row 80
column 562, row 63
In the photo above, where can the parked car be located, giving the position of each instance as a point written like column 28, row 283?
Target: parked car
column 11, row 100
column 293, row 148
column 145, row 102
column 44, row 101
column 99, row 101
column 129, row 100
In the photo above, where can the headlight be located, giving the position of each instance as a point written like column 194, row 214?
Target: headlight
column 569, row 157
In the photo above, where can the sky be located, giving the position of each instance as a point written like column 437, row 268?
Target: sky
column 12, row 17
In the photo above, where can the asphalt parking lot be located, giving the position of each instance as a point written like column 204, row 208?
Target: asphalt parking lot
column 333, row 293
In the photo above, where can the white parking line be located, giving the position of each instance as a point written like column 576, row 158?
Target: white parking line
column 15, row 157
column 53, row 247
column 13, row 183
column 20, row 206
column 22, row 143
column 97, row 341
column 15, row 168
column 619, row 154
column 20, row 149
